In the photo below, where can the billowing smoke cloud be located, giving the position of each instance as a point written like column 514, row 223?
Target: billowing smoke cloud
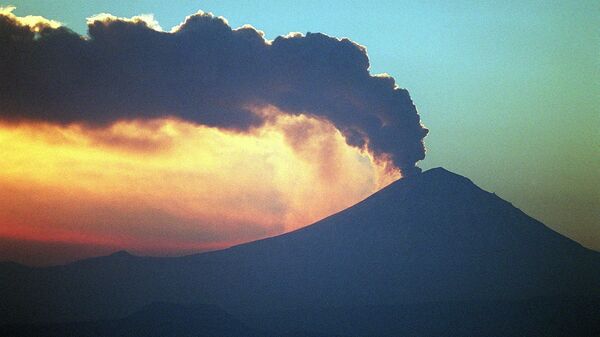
column 204, row 72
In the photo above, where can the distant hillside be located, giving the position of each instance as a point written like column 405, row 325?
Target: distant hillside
column 154, row 320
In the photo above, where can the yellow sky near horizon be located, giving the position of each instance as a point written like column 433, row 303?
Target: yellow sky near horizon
column 166, row 185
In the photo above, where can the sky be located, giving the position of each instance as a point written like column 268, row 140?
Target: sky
column 509, row 93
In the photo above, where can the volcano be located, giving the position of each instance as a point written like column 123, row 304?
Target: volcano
column 429, row 254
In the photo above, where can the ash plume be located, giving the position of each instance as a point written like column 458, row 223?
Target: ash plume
column 205, row 72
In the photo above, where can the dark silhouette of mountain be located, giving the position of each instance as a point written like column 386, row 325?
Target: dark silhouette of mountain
column 154, row 320
column 431, row 243
column 572, row 317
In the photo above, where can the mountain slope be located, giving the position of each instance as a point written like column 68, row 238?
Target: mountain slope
column 431, row 238
column 436, row 237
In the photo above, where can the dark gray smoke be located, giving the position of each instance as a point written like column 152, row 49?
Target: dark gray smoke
column 206, row 73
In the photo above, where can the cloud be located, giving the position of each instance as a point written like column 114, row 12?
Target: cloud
column 143, row 19
column 32, row 22
column 203, row 72
column 169, row 186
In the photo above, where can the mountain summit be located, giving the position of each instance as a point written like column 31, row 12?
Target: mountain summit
column 434, row 237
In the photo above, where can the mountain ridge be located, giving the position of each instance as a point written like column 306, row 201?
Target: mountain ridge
column 431, row 238
column 435, row 174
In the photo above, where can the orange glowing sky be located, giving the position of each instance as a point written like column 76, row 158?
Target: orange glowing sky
column 168, row 187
